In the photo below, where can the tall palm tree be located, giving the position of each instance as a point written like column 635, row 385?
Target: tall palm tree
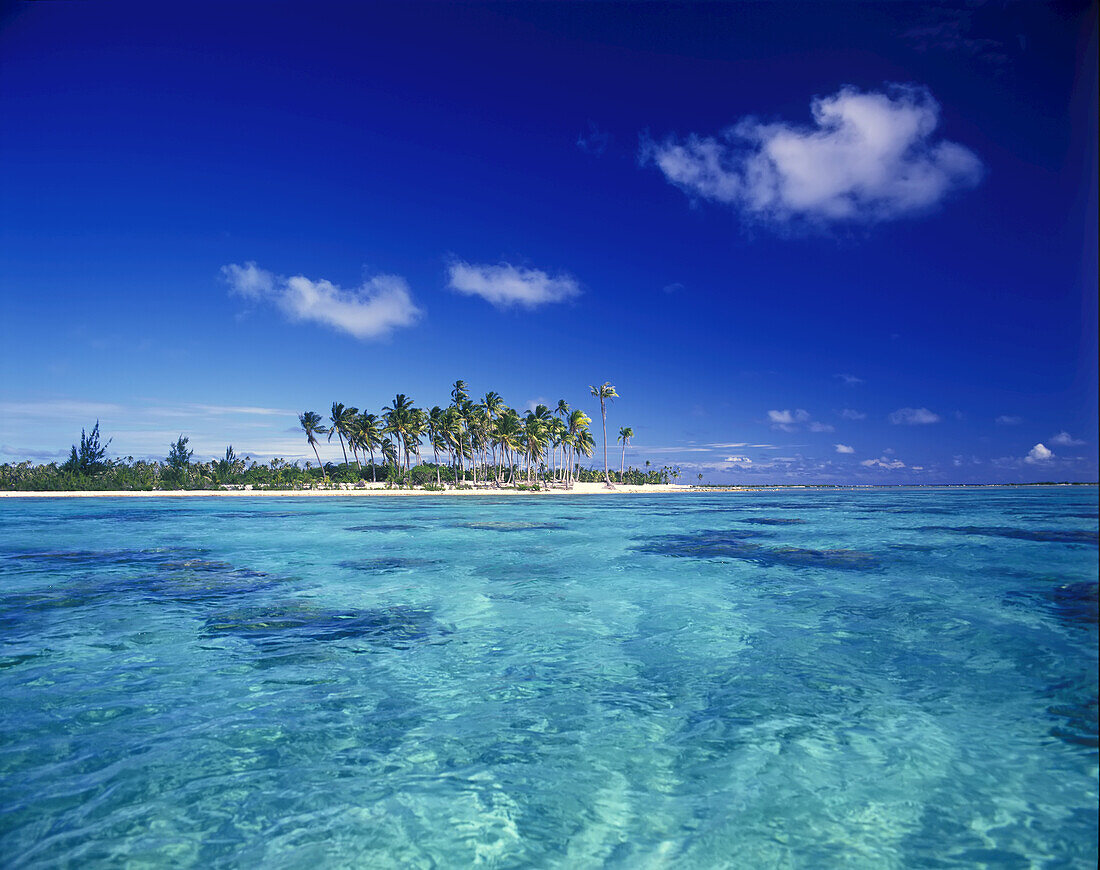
column 342, row 419
column 435, row 424
column 625, row 434
column 397, row 418
column 509, row 436
column 578, row 425
column 370, row 436
column 605, row 394
column 311, row 424
column 585, row 443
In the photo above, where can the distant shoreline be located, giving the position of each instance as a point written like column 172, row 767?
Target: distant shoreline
column 578, row 489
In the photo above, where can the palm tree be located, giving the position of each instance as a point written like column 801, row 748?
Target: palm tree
column 370, row 436
column 342, row 419
column 509, row 435
column 585, row 443
column 578, row 425
column 625, row 434
column 311, row 423
column 605, row 393
column 436, row 424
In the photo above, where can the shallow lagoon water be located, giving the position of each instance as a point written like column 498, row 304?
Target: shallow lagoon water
column 873, row 679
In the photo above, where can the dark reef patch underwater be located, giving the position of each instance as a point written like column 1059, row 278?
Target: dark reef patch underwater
column 716, row 544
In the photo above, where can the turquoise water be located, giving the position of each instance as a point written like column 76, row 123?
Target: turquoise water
column 876, row 679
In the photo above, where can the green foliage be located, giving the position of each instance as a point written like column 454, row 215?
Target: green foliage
column 90, row 459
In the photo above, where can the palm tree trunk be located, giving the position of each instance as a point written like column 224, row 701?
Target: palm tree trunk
column 603, row 414
column 622, row 464
column 341, row 437
column 319, row 464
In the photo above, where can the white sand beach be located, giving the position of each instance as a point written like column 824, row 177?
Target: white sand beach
column 369, row 490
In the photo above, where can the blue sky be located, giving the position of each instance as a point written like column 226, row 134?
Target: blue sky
column 807, row 242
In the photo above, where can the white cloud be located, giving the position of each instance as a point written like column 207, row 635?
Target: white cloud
column 1008, row 420
column 381, row 304
column 844, row 448
column 850, row 380
column 788, row 421
column 792, row 421
column 505, row 285
column 849, row 414
column 883, row 462
column 913, row 417
column 1038, row 454
column 738, row 460
column 869, row 157
column 1064, row 439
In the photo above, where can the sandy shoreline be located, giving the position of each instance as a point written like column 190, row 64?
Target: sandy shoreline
column 366, row 492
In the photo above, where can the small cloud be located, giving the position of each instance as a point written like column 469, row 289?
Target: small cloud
column 1038, row 454
column 595, row 141
column 913, row 417
column 844, row 448
column 738, row 460
column 850, row 380
column 850, row 414
column 673, row 288
column 788, row 421
column 883, row 462
column 1008, row 420
column 1064, row 439
column 505, row 285
column 381, row 304
column 868, row 157
column 792, row 421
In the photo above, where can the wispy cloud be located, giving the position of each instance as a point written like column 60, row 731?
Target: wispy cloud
column 1008, row 420
column 883, row 462
column 1039, row 454
column 844, row 448
column 850, row 380
column 505, row 285
column 913, row 417
column 1064, row 439
column 792, row 421
column 60, row 409
column 675, row 287
column 595, row 141
column 869, row 157
column 950, row 29
column 851, row 414
column 373, row 310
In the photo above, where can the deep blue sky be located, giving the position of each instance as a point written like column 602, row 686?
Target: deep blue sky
column 145, row 147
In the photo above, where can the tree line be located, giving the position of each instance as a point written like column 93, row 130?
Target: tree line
column 471, row 442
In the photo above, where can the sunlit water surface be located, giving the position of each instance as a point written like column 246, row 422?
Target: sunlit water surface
column 877, row 679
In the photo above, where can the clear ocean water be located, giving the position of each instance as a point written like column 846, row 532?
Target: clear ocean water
column 815, row 679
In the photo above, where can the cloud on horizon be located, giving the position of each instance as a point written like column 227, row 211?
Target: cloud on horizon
column 869, row 157
column 505, row 285
column 913, row 417
column 373, row 310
